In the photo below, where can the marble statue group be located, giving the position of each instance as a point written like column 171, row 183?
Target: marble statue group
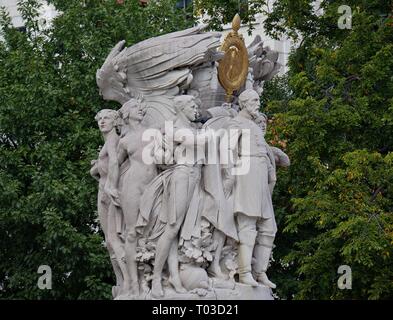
column 185, row 174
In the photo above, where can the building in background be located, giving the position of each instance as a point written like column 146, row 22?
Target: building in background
column 283, row 46
column 47, row 12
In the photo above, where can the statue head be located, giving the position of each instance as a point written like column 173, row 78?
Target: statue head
column 107, row 120
column 131, row 111
column 187, row 106
column 196, row 95
column 261, row 121
column 249, row 101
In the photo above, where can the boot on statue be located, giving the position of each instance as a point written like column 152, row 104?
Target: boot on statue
column 262, row 252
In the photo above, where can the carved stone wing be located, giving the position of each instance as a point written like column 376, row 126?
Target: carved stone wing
column 156, row 69
column 263, row 62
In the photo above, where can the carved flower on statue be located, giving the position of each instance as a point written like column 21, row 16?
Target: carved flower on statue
column 146, row 270
column 229, row 259
column 145, row 257
column 145, row 251
column 199, row 250
column 232, row 266
column 208, row 256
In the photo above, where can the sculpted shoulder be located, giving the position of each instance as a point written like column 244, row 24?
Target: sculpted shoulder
column 123, row 142
column 239, row 122
column 132, row 140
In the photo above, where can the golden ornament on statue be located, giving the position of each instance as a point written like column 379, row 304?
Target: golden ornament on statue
column 233, row 67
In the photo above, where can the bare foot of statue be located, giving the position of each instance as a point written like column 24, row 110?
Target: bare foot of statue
column 125, row 289
column 134, row 289
column 177, row 285
column 215, row 272
column 115, row 291
column 156, row 288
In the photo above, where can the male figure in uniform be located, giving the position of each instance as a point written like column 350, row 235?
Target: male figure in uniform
column 253, row 206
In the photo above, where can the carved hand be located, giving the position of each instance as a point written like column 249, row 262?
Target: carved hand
column 113, row 193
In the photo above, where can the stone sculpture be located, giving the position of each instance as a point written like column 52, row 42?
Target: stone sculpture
column 252, row 195
column 106, row 171
column 181, row 217
column 184, row 176
column 132, row 183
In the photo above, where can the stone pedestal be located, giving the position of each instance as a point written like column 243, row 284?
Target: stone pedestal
column 244, row 292
column 238, row 292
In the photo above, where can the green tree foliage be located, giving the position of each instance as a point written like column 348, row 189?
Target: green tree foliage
column 48, row 137
column 334, row 204
column 219, row 12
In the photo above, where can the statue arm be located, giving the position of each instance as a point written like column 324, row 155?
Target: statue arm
column 121, row 153
column 190, row 139
column 281, row 157
column 203, row 137
column 234, row 138
column 113, row 173
column 226, row 171
column 94, row 170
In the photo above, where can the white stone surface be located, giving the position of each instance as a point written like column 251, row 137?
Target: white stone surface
column 238, row 292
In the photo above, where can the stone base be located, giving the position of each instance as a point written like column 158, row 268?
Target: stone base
column 237, row 292
column 244, row 292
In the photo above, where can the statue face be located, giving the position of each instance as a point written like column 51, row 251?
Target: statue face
column 190, row 110
column 136, row 113
column 106, row 121
column 253, row 104
column 261, row 121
